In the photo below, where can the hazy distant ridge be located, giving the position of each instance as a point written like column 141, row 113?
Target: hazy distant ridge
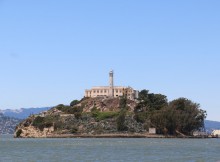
column 8, row 124
column 210, row 125
column 10, row 118
column 23, row 113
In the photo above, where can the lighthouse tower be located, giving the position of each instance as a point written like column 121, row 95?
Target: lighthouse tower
column 111, row 84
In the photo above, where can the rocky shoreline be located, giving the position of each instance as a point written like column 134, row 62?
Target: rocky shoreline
column 111, row 136
column 118, row 135
column 95, row 118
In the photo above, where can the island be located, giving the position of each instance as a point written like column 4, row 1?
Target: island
column 151, row 115
column 116, row 111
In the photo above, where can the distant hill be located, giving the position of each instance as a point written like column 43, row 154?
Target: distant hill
column 210, row 125
column 8, row 124
column 23, row 113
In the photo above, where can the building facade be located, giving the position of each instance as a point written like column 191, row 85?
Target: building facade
column 111, row 90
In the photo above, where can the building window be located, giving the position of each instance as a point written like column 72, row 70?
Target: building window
column 105, row 91
column 116, row 91
column 93, row 91
column 101, row 91
column 97, row 91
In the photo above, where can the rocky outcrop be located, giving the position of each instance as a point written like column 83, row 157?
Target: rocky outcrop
column 32, row 131
column 105, row 104
column 98, row 116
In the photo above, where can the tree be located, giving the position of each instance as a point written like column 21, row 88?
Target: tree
column 143, row 104
column 181, row 115
column 123, row 102
column 122, row 114
column 148, row 103
column 77, row 111
column 74, row 102
column 191, row 117
column 157, row 101
column 18, row 133
column 143, row 95
column 121, row 121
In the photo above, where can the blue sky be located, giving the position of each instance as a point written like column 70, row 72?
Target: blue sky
column 50, row 51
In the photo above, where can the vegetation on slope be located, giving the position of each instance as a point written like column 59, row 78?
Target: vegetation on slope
column 95, row 116
column 102, row 115
column 180, row 115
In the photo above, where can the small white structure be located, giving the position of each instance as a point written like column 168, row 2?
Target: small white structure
column 152, row 130
column 216, row 133
column 199, row 133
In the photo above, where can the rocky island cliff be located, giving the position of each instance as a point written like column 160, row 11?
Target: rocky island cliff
column 91, row 116
column 115, row 117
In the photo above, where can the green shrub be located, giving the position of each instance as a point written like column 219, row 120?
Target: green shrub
column 74, row 102
column 60, row 107
column 121, row 121
column 123, row 102
column 59, row 125
column 18, row 133
column 74, row 130
column 76, row 110
column 102, row 115
column 43, row 122
column 38, row 121
column 105, row 115
column 94, row 112
column 27, row 122
column 63, row 108
column 140, row 117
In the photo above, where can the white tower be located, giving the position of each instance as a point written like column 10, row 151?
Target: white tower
column 111, row 84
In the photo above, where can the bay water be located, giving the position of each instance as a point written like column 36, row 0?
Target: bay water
column 107, row 149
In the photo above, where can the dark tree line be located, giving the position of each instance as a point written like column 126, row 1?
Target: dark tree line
column 180, row 116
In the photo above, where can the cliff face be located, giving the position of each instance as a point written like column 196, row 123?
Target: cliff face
column 32, row 131
column 92, row 116
column 105, row 104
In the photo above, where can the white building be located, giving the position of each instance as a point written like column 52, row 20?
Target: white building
column 111, row 90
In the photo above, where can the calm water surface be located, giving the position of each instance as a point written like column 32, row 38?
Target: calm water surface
column 129, row 150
